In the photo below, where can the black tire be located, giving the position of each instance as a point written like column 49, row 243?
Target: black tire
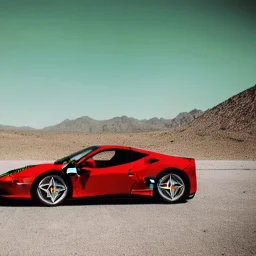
column 50, row 194
column 180, row 190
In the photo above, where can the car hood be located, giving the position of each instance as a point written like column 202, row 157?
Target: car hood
column 31, row 170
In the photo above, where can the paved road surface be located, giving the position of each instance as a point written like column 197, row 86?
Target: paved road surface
column 220, row 220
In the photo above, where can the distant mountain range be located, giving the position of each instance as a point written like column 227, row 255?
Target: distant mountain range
column 116, row 124
column 15, row 128
column 236, row 114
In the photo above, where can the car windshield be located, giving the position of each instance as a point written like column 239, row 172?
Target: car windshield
column 76, row 156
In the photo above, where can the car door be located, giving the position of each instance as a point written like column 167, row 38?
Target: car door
column 107, row 179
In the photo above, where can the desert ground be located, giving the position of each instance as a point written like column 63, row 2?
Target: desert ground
column 221, row 145
column 219, row 220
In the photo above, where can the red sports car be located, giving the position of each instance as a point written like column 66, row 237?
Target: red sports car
column 103, row 170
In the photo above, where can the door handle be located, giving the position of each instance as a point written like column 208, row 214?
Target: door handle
column 130, row 173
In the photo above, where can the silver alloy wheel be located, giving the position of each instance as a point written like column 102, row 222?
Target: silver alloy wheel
column 52, row 189
column 171, row 187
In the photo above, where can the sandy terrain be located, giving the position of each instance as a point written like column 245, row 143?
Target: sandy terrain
column 220, row 220
column 184, row 142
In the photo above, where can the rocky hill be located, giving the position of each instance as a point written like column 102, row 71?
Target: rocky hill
column 237, row 114
column 181, row 119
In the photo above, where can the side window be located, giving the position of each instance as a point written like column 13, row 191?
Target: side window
column 137, row 155
column 111, row 158
column 104, row 155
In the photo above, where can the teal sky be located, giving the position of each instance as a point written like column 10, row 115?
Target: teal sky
column 67, row 59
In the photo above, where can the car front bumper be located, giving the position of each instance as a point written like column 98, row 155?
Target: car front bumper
column 14, row 188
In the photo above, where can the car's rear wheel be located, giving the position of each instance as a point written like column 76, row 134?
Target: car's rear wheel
column 172, row 187
column 51, row 190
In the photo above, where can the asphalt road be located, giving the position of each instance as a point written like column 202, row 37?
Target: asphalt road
column 220, row 220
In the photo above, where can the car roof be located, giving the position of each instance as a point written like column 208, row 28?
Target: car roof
column 106, row 146
column 113, row 146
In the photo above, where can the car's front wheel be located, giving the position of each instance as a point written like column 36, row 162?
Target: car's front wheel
column 171, row 187
column 50, row 190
